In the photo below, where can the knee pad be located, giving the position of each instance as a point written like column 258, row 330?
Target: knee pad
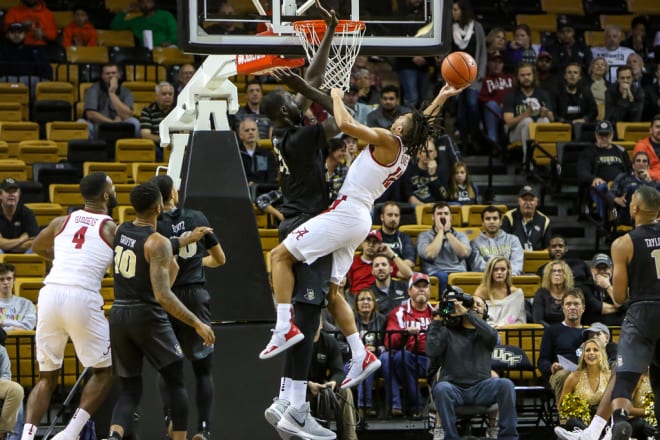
column 625, row 384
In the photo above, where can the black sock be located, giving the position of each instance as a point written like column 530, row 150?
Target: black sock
column 619, row 415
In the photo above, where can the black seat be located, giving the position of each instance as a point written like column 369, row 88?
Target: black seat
column 31, row 192
column 50, row 110
column 130, row 55
column 48, row 173
column 110, row 132
column 87, row 150
column 606, row 7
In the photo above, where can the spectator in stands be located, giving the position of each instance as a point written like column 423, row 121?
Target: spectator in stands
column 389, row 293
column 615, row 54
column 640, row 77
column 370, row 322
column 352, row 150
column 326, row 372
column 599, row 164
column 568, row 49
column 557, row 252
column 525, row 104
column 652, row 96
column 562, row 339
column 460, row 190
column 357, row 109
column 107, row 101
column 154, row 113
column 650, row 145
column 496, row 41
column 493, row 241
column 599, row 303
column 18, row 225
column 405, row 361
column 36, row 18
column 80, row 32
column 252, row 109
column 495, row 86
column 259, row 163
column 506, row 302
column 443, row 250
column 531, row 226
column 592, row 369
column 360, row 274
column 638, row 39
column 625, row 184
column 547, row 305
column 597, row 81
column 575, row 104
column 547, row 79
column 520, row 50
column 12, row 393
column 468, row 36
column 463, row 352
column 21, row 62
column 420, row 183
column 388, row 110
column 158, row 23
column 335, row 167
column 400, row 242
column 368, row 94
column 16, row 313
column 186, row 72
column 624, row 101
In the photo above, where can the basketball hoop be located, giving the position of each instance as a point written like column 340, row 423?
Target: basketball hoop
column 265, row 64
column 345, row 48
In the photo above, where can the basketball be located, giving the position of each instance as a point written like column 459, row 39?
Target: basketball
column 459, row 69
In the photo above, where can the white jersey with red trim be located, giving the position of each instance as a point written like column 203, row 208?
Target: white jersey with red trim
column 367, row 179
column 82, row 255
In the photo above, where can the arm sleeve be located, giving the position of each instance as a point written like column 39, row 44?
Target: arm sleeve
column 486, row 333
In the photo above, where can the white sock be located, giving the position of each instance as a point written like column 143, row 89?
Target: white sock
column 80, row 417
column 283, row 317
column 357, row 346
column 29, row 431
column 595, row 428
column 298, row 393
column 285, row 389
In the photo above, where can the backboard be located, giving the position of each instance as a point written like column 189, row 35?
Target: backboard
column 393, row 27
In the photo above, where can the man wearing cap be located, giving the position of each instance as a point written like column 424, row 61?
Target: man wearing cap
column 575, row 104
column 360, row 274
column 650, row 145
column 599, row 304
column 389, row 293
column 547, row 79
column 532, row 227
column 443, row 250
column 625, row 184
column 358, row 110
column 568, row 49
column 624, row 101
column 405, row 360
column 494, row 241
column 495, row 86
column 18, row 225
column 601, row 163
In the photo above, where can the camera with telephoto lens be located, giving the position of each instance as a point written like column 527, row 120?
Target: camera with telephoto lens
column 450, row 296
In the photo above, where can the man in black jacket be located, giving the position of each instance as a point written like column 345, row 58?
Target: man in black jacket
column 22, row 62
column 575, row 103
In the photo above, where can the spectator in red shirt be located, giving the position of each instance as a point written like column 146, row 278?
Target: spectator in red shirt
column 495, row 86
column 37, row 19
column 80, row 32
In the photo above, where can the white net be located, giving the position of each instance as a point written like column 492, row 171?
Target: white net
column 345, row 48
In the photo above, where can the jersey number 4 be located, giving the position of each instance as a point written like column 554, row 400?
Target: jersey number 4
column 125, row 261
column 79, row 237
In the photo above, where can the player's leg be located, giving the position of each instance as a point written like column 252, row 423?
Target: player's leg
column 127, row 403
column 204, row 394
column 173, row 377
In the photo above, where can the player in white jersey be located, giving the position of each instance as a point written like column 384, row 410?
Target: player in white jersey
column 346, row 223
column 70, row 304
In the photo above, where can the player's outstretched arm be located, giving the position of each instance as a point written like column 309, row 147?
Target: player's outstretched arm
column 158, row 252
column 445, row 93
column 375, row 136
column 215, row 258
column 622, row 251
column 43, row 243
column 304, row 88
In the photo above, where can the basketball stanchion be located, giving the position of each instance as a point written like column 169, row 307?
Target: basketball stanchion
column 345, row 48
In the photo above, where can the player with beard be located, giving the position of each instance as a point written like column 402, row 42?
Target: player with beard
column 71, row 306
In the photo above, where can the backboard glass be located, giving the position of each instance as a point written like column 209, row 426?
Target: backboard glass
column 393, row 27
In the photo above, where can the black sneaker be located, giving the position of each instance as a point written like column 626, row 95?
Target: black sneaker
column 621, row 431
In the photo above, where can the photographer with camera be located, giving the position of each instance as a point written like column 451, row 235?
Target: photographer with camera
column 461, row 342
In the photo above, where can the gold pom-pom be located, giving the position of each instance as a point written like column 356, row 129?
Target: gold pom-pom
column 574, row 406
column 649, row 409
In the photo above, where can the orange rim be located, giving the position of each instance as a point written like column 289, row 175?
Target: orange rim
column 318, row 27
column 261, row 64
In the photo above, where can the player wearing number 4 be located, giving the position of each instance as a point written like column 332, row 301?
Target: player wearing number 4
column 70, row 304
column 340, row 229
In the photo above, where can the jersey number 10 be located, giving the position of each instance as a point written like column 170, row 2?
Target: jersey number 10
column 125, row 260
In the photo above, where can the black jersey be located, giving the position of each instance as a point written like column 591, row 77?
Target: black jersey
column 299, row 153
column 131, row 271
column 644, row 267
column 180, row 223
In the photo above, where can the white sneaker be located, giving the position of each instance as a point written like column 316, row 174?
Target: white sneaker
column 276, row 410
column 62, row 435
column 299, row 423
column 563, row 434
column 492, row 432
column 361, row 369
column 281, row 341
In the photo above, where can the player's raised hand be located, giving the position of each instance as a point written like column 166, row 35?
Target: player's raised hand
column 449, row 90
column 337, row 93
column 289, row 78
column 200, row 231
column 329, row 17
column 206, row 333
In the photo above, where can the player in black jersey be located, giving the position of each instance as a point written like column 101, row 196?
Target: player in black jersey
column 189, row 287
column 139, row 325
column 636, row 278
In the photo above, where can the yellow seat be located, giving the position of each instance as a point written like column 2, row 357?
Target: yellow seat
column 62, row 132
column 171, row 56
column 45, row 212
column 632, row 131
column 111, row 38
column 13, row 168
column 472, row 232
column 528, row 337
column 265, row 143
column 474, row 213
column 528, row 283
column 143, row 171
column 123, row 191
column 468, row 281
column 87, row 55
column 67, row 195
column 594, row 38
column 547, row 135
column 15, row 132
column 424, row 214
column 135, row 150
column 538, row 22
column 4, row 150
column 117, row 5
column 10, row 111
column 622, row 21
column 22, row 354
column 533, row 260
column 413, row 231
column 118, row 172
column 145, row 72
column 569, row 7
column 55, row 91
column 66, row 72
column 32, row 152
column 646, row 7
column 269, row 238
column 126, row 213
column 28, row 287
column 27, row 265
column 16, row 93
column 143, row 91
column 62, row 18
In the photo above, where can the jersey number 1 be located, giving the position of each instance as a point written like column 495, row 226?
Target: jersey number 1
column 79, row 237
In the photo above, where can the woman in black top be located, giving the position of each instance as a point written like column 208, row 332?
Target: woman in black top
column 557, row 279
